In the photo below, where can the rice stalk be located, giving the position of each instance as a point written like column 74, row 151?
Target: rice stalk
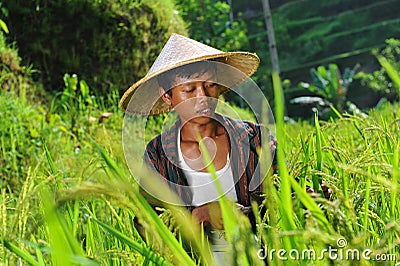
column 285, row 195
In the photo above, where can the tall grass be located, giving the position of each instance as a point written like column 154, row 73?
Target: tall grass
column 78, row 205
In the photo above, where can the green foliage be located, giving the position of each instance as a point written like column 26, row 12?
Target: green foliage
column 318, row 29
column 28, row 122
column 22, row 124
column 330, row 84
column 76, row 101
column 385, row 79
column 209, row 22
column 21, row 130
column 97, row 200
column 88, row 200
column 343, row 154
column 3, row 25
column 14, row 77
column 392, row 72
column 110, row 44
column 311, row 33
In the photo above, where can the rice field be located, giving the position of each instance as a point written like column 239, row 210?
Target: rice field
column 68, row 197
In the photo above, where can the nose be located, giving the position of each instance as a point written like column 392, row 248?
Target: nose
column 200, row 90
column 201, row 94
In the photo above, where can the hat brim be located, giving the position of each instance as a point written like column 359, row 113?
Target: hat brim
column 145, row 92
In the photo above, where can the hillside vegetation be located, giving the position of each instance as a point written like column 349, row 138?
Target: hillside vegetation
column 107, row 43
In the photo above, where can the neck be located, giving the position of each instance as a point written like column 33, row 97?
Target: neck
column 190, row 130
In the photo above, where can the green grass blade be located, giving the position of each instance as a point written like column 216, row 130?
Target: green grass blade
column 230, row 220
column 145, row 251
column 53, row 169
column 39, row 253
column 40, row 257
column 165, row 233
column 64, row 247
column 366, row 203
column 286, row 206
column 318, row 147
column 3, row 26
column 230, row 214
column 337, row 113
column 311, row 205
column 395, row 178
column 20, row 253
column 148, row 213
column 391, row 71
column 75, row 218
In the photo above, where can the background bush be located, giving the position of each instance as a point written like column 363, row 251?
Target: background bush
column 107, row 43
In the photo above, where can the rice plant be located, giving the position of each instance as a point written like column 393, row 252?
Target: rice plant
column 81, row 208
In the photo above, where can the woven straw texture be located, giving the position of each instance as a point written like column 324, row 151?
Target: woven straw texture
column 143, row 96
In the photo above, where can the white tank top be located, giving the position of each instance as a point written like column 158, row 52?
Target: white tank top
column 202, row 183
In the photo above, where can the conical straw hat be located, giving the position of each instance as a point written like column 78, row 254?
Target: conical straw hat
column 179, row 51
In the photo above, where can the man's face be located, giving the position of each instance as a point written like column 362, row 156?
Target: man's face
column 195, row 97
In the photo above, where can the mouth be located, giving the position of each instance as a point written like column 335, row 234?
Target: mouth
column 205, row 112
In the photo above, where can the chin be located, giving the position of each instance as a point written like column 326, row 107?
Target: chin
column 202, row 119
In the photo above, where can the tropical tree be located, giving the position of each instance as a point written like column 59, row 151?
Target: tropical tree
column 211, row 22
column 386, row 79
column 330, row 85
column 273, row 50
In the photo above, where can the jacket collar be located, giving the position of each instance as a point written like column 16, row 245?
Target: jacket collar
column 239, row 132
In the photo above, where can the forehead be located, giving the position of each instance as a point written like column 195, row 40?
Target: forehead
column 195, row 77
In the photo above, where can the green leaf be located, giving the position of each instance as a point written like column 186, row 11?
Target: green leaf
column 3, row 26
column 285, row 193
column 320, row 84
column 71, row 82
column 64, row 247
column 84, row 88
column 323, row 73
column 391, row 71
column 318, row 79
column 333, row 80
column 318, row 147
column 149, row 214
column 311, row 205
column 20, row 253
column 145, row 251
column 50, row 161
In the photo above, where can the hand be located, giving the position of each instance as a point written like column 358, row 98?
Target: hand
column 211, row 213
column 327, row 190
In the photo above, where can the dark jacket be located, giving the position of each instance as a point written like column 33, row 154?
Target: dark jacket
column 245, row 140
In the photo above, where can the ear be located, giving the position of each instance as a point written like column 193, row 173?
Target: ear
column 165, row 96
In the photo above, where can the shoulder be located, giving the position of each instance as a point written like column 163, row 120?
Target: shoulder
column 152, row 152
column 249, row 128
column 163, row 145
column 241, row 126
column 163, row 140
column 153, row 143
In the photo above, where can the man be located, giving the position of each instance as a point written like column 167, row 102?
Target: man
column 188, row 77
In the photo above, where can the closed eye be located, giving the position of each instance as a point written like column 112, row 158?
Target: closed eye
column 190, row 90
column 209, row 84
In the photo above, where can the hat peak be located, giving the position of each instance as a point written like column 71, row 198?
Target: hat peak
column 180, row 49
